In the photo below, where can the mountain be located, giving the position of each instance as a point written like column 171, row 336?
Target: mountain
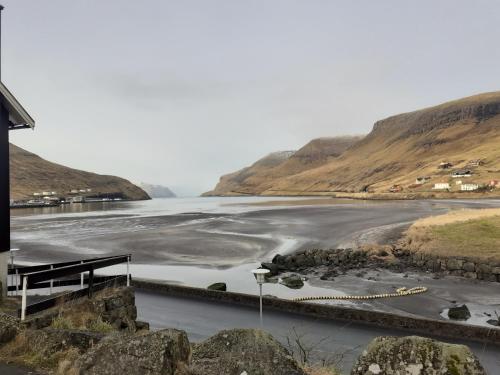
column 404, row 147
column 246, row 181
column 260, row 176
column 29, row 173
column 157, row 191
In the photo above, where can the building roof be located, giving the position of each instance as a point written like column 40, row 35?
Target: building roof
column 18, row 116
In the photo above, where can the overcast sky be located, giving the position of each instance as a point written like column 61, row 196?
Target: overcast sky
column 181, row 92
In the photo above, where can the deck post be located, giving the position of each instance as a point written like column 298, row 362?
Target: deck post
column 81, row 278
column 23, row 301
column 128, row 270
column 17, row 282
column 51, row 280
column 91, row 282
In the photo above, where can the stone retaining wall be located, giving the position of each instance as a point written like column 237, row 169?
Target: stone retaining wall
column 397, row 258
column 457, row 266
column 114, row 306
column 436, row 328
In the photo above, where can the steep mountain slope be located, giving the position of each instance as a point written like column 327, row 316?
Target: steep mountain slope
column 30, row 173
column 247, row 180
column 401, row 148
column 157, row 191
column 260, row 176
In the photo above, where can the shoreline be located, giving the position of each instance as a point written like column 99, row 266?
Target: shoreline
column 370, row 196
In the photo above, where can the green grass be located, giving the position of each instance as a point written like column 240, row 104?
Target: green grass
column 476, row 238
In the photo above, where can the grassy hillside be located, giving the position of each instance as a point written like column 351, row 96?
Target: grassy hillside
column 30, row 173
column 403, row 147
column 260, row 176
column 467, row 233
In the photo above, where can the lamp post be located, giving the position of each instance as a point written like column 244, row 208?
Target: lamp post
column 260, row 276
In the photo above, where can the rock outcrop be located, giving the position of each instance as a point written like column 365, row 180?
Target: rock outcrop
column 164, row 352
column 240, row 351
column 416, row 356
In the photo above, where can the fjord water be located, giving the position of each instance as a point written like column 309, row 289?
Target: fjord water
column 198, row 241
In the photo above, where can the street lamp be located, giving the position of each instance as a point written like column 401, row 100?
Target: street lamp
column 260, row 276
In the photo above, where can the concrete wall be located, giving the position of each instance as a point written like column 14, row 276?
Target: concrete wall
column 437, row 328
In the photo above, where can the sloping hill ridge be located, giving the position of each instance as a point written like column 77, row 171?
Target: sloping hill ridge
column 401, row 148
column 260, row 176
column 397, row 151
column 30, row 173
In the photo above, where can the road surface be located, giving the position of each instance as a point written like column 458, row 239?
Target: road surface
column 201, row 319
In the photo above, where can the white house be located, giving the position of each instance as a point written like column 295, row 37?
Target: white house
column 469, row 187
column 441, row 186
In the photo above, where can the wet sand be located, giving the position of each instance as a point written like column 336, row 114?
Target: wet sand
column 197, row 245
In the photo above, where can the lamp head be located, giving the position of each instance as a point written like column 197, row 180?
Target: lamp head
column 260, row 275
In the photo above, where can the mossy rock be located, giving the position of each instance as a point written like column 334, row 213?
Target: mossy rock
column 416, row 355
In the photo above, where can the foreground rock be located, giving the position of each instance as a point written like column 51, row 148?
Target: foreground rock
column 9, row 327
column 237, row 351
column 416, row 356
column 292, row 281
column 221, row 287
column 459, row 313
column 164, row 352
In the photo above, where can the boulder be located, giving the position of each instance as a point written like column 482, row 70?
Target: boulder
column 220, row 287
column 237, row 351
column 416, row 355
column 459, row 313
column 454, row 264
column 278, row 259
column 273, row 268
column 9, row 327
column 292, row 281
column 164, row 352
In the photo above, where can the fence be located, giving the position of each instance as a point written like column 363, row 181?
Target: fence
column 55, row 275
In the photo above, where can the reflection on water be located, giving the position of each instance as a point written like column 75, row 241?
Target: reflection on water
column 166, row 206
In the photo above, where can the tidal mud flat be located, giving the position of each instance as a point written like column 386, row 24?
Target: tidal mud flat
column 204, row 240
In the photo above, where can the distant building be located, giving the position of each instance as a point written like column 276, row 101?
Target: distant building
column 459, row 182
column 475, row 163
column 74, row 191
column 441, row 186
column 78, row 199
column 494, row 183
column 422, row 180
column 396, row 188
column 445, row 165
column 83, row 190
column 469, row 187
column 37, row 194
column 461, row 173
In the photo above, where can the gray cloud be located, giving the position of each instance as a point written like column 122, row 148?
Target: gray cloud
column 180, row 92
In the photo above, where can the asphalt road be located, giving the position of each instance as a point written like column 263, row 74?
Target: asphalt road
column 201, row 319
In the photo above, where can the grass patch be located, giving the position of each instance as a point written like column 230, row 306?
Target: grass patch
column 475, row 238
